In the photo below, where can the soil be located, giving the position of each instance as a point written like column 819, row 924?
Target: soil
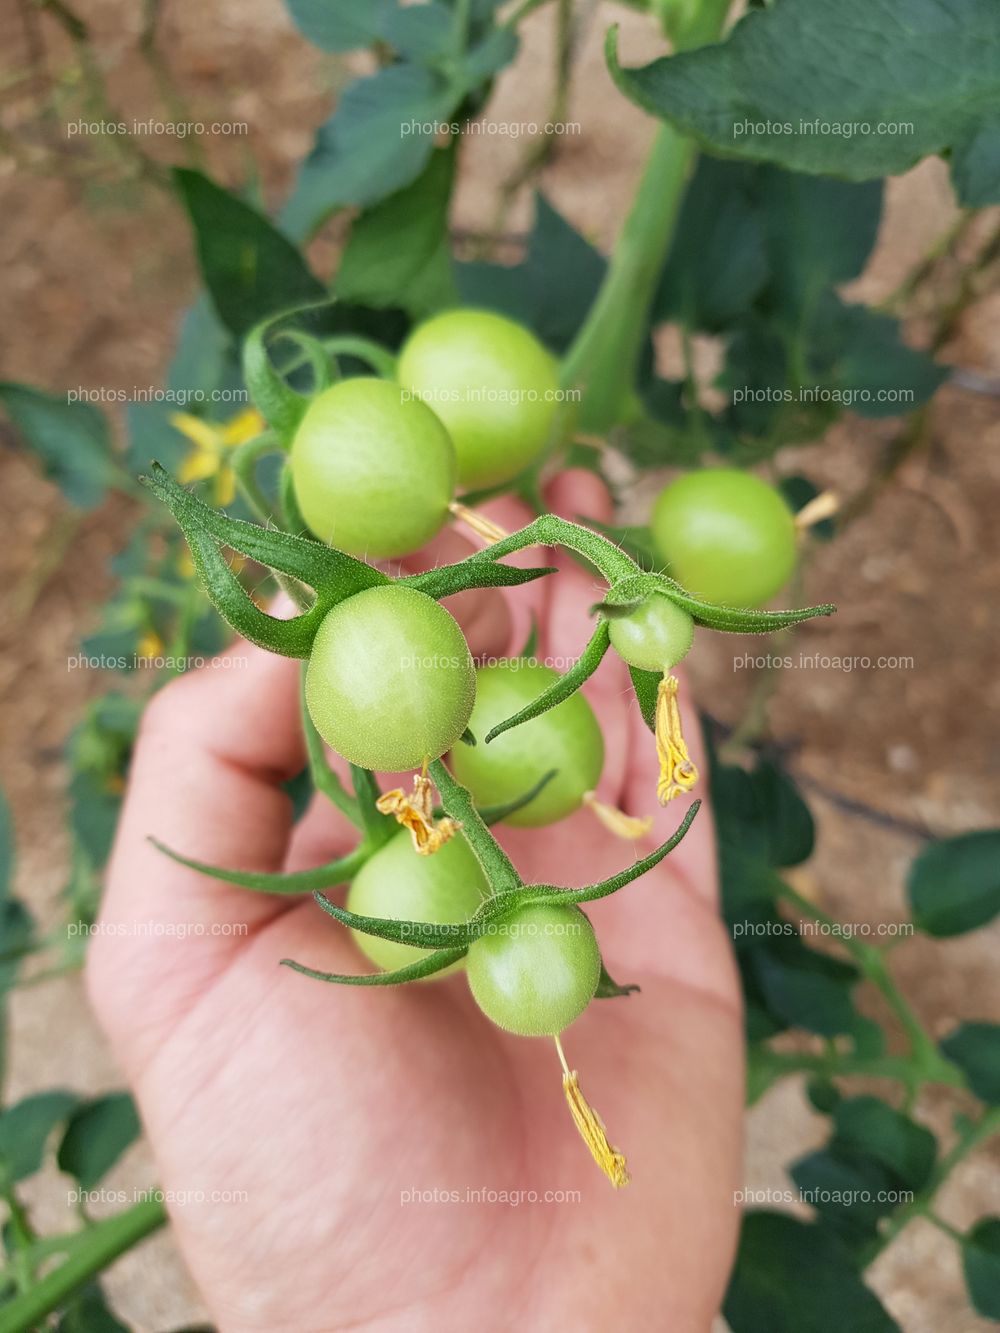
column 98, row 268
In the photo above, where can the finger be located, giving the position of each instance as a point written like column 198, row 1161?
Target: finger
column 213, row 750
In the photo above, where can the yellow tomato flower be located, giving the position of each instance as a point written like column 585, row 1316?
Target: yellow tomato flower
column 212, row 441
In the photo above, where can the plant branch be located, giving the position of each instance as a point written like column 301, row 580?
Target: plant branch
column 94, row 1249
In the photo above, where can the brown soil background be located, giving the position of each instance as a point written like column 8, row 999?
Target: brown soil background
column 98, row 266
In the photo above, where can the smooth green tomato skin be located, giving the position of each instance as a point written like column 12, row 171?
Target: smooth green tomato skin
column 373, row 473
column 390, row 681
column 567, row 738
column 538, row 972
column 655, row 636
column 445, row 888
column 727, row 536
column 487, row 379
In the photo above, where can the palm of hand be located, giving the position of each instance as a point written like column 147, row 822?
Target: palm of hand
column 353, row 1127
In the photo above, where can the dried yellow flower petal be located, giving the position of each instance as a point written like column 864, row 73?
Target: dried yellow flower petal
column 617, row 821
column 677, row 772
column 416, row 813
column 591, row 1127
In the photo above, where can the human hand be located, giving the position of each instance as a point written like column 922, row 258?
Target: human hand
column 320, row 1107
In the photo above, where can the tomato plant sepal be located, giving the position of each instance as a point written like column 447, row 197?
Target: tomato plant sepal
column 501, row 905
column 332, row 574
column 416, row 971
column 327, row 876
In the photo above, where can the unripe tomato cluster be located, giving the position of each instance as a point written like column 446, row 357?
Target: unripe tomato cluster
column 391, row 684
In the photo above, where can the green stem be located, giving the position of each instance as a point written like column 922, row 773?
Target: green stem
column 458, row 803
column 920, row 1206
column 324, row 779
column 548, row 530
column 95, row 1248
column 939, row 1222
column 604, row 358
column 244, row 462
column 22, row 1235
column 926, row 1064
column 378, row 357
column 898, row 1068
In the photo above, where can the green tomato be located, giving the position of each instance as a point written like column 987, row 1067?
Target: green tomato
column 390, row 681
column 537, row 972
column 655, row 636
column 444, row 889
column 567, row 738
column 493, row 385
column 727, row 536
column 373, row 472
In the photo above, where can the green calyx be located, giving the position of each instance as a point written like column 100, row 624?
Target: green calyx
column 307, row 564
column 509, row 895
column 629, row 587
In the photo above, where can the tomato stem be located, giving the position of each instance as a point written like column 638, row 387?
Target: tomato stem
column 603, row 360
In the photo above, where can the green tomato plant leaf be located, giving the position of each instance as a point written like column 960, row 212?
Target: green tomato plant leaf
column 553, row 287
column 97, row 1135
column 954, row 885
column 876, row 1159
column 89, row 1312
column 340, row 25
column 975, row 1048
column 25, row 1129
column 250, row 268
column 17, row 925
column 205, row 360
column 859, row 91
column 717, row 263
column 796, row 1277
column 981, row 1265
column 802, row 987
column 70, row 440
column 398, row 253
column 376, row 143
